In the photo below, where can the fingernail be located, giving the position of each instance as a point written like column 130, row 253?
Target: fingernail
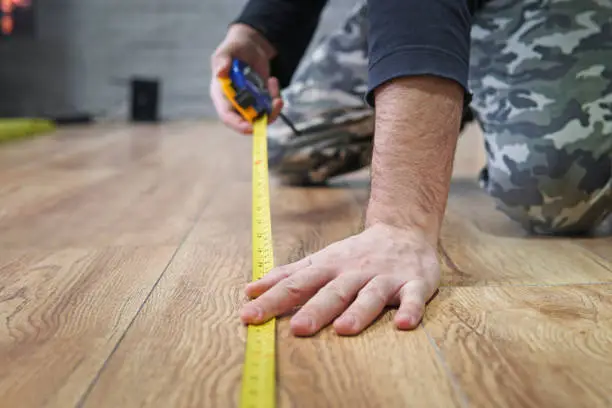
column 303, row 322
column 404, row 320
column 219, row 66
column 252, row 313
column 349, row 322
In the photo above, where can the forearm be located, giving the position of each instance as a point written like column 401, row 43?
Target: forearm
column 418, row 70
column 417, row 126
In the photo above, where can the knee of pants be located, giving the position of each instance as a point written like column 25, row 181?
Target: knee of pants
column 543, row 92
column 551, row 190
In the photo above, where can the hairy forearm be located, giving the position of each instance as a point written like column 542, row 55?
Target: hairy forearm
column 417, row 126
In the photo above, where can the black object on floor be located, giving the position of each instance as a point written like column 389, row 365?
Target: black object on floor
column 73, row 119
column 145, row 97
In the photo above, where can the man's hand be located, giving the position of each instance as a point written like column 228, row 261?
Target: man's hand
column 244, row 43
column 394, row 261
column 350, row 283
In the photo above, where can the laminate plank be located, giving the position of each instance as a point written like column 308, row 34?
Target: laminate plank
column 143, row 207
column 61, row 314
column 150, row 196
column 380, row 367
column 527, row 346
column 88, row 248
column 27, row 193
column 43, row 170
column 23, row 153
column 470, row 155
column 93, row 146
column 602, row 247
column 601, row 242
column 85, row 234
column 484, row 247
column 186, row 346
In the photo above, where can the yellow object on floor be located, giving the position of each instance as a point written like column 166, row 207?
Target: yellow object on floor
column 18, row 128
column 259, row 369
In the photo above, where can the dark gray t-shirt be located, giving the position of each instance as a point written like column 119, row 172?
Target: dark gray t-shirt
column 405, row 37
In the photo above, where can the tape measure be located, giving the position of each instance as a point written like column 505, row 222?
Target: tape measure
column 246, row 91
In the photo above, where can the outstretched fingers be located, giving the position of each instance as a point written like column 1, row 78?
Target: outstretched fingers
column 370, row 302
column 328, row 303
column 413, row 296
column 258, row 287
column 286, row 294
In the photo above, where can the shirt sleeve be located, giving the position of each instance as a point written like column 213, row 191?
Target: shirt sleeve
column 418, row 37
column 289, row 25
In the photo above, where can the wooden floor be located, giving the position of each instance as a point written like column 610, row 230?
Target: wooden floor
column 124, row 253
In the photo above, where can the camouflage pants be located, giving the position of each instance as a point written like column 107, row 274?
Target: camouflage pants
column 541, row 77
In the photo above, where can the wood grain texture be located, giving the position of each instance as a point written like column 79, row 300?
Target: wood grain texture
column 91, row 217
column 381, row 367
column 30, row 155
column 484, row 247
column 141, row 187
column 61, row 314
column 89, row 220
column 185, row 347
column 601, row 243
column 527, row 346
column 191, row 324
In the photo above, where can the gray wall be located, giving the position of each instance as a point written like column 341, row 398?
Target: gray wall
column 87, row 49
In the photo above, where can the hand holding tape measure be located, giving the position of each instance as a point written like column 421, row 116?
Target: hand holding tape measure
column 247, row 93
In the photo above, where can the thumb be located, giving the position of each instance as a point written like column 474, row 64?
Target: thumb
column 221, row 65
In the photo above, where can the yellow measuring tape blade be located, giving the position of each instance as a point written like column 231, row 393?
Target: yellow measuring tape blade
column 259, row 374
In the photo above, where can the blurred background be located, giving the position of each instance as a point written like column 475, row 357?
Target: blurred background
column 80, row 58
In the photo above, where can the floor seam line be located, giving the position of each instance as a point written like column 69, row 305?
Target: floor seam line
column 449, row 261
column 598, row 259
column 464, row 401
column 94, row 381
column 527, row 285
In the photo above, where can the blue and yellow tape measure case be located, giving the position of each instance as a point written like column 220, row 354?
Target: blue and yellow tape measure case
column 246, row 91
